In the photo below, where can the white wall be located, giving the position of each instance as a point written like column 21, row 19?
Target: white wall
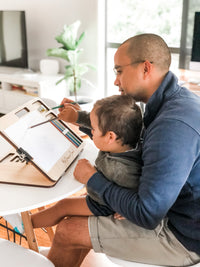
column 45, row 20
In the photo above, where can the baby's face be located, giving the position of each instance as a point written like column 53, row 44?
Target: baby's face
column 98, row 139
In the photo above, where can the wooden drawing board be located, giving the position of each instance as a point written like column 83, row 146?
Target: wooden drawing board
column 40, row 155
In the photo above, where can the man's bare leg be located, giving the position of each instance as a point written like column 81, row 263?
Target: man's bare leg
column 71, row 242
column 65, row 207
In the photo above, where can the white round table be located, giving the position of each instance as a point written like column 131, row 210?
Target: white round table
column 18, row 198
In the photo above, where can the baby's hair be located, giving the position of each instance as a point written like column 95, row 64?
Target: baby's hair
column 120, row 114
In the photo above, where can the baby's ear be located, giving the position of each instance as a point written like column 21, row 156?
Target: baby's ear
column 111, row 137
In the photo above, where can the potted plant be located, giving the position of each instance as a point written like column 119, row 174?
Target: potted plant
column 70, row 51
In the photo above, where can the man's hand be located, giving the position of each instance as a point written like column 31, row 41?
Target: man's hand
column 119, row 217
column 66, row 102
column 83, row 171
column 69, row 112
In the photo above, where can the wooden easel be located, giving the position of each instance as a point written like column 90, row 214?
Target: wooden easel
column 18, row 166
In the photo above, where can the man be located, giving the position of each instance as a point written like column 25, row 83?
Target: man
column 162, row 224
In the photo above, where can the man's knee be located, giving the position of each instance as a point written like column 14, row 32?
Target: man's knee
column 73, row 231
column 63, row 228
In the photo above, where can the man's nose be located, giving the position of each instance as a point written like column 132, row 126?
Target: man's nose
column 116, row 82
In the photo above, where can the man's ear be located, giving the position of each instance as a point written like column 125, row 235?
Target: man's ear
column 147, row 68
column 111, row 137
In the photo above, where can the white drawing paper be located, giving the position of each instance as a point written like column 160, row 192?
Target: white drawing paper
column 44, row 143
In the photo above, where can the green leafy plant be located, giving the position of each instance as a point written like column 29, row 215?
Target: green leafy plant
column 69, row 51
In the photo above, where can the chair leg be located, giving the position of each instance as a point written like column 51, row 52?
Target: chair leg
column 30, row 234
column 7, row 231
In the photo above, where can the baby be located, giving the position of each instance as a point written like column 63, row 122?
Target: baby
column 116, row 124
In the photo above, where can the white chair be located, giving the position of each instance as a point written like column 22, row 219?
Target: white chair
column 12, row 254
column 124, row 263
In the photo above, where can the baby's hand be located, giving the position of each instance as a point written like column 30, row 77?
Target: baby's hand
column 83, row 171
column 117, row 216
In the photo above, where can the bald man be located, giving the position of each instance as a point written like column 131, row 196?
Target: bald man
column 161, row 222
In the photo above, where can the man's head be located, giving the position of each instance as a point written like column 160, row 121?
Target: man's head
column 141, row 63
column 116, row 118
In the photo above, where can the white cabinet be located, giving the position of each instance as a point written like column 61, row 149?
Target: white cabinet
column 44, row 85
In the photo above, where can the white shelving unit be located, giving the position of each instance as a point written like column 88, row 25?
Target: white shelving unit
column 45, row 85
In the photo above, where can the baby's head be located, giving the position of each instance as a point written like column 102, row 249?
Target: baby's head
column 116, row 118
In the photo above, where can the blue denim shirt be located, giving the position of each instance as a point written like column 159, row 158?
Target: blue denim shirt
column 170, row 181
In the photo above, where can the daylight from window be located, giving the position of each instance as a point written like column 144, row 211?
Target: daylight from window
column 126, row 18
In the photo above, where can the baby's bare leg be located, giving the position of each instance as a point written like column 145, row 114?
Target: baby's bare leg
column 65, row 207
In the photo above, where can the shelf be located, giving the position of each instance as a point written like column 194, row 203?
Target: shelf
column 39, row 85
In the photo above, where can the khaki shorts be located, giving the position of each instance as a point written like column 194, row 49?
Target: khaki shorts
column 125, row 240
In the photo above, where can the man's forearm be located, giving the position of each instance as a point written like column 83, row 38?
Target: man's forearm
column 84, row 119
column 122, row 200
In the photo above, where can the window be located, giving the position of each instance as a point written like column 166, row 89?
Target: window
column 173, row 20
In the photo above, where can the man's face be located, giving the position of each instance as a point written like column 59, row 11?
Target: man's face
column 129, row 76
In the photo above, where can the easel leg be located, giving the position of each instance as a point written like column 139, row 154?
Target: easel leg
column 49, row 230
column 30, row 234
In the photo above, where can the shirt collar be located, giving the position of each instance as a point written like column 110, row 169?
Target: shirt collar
column 168, row 87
